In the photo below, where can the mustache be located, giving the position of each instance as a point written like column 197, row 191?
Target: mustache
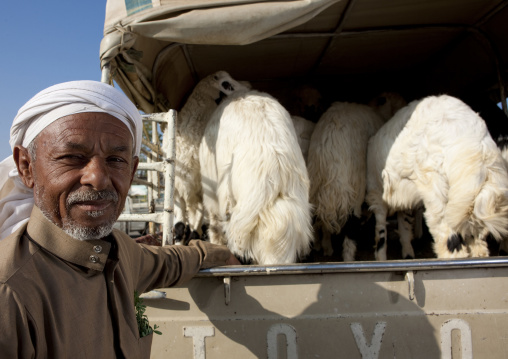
column 91, row 195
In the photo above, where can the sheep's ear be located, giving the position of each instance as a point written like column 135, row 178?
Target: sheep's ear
column 247, row 84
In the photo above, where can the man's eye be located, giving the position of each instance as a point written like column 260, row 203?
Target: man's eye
column 116, row 160
column 72, row 157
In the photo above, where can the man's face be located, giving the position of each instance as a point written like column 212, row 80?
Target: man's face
column 82, row 172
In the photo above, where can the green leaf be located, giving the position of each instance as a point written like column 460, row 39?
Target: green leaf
column 143, row 324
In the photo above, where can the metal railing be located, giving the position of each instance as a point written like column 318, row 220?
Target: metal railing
column 160, row 159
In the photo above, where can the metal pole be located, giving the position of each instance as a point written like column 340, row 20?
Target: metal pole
column 167, row 167
column 169, row 147
column 106, row 74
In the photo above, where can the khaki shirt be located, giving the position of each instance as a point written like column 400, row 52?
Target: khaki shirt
column 65, row 298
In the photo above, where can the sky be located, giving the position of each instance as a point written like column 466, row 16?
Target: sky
column 45, row 43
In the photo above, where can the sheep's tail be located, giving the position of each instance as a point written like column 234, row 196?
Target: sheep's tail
column 271, row 227
column 334, row 203
column 285, row 232
column 480, row 199
column 491, row 204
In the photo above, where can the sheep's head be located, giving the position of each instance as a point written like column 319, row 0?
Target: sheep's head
column 220, row 84
column 309, row 102
column 387, row 104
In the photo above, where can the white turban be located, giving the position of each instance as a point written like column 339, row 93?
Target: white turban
column 16, row 200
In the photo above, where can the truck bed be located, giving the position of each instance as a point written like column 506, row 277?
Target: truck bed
column 395, row 309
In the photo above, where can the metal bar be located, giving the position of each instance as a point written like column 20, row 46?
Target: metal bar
column 152, row 166
column 141, row 217
column 151, row 146
column 381, row 266
column 153, row 177
column 156, row 153
column 150, row 191
column 143, row 182
column 169, row 147
column 157, row 117
column 361, row 32
column 167, row 167
column 338, row 30
column 496, row 10
column 106, row 74
column 190, row 63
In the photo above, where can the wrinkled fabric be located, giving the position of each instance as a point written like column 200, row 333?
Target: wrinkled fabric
column 16, row 200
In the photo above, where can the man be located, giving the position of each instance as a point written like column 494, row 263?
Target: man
column 67, row 280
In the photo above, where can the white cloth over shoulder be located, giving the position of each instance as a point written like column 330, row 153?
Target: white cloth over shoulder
column 16, row 206
column 40, row 111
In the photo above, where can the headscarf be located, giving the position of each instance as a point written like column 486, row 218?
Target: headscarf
column 49, row 105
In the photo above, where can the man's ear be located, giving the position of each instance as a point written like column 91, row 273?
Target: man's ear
column 135, row 162
column 24, row 163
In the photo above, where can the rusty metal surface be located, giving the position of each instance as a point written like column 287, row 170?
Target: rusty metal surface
column 454, row 312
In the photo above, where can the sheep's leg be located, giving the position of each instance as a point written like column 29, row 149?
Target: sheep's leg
column 418, row 222
column 180, row 231
column 348, row 249
column 316, row 245
column 478, row 246
column 195, row 220
column 405, row 222
column 326, row 243
column 322, row 239
column 350, row 230
column 215, row 230
column 381, row 234
column 447, row 243
column 503, row 247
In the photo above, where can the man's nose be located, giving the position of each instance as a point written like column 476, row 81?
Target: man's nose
column 95, row 174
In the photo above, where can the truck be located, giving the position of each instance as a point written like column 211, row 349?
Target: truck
column 157, row 50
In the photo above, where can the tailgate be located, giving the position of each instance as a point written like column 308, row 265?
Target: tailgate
column 396, row 309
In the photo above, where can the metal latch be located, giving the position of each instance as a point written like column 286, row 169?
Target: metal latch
column 227, row 290
column 410, row 277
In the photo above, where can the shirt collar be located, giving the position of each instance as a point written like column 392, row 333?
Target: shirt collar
column 91, row 254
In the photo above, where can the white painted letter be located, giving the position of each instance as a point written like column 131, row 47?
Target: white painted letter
column 465, row 338
column 271, row 340
column 198, row 335
column 368, row 351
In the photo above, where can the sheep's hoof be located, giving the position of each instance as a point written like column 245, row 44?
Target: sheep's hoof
column 179, row 231
column 328, row 252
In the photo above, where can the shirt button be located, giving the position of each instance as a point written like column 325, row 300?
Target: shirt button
column 97, row 249
column 94, row 259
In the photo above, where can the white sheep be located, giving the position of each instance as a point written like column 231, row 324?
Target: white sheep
column 255, row 183
column 192, row 120
column 304, row 129
column 438, row 152
column 337, row 170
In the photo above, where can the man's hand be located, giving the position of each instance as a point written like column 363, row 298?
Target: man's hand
column 233, row 261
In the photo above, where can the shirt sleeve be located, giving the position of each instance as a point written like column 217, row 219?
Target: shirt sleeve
column 15, row 337
column 168, row 266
